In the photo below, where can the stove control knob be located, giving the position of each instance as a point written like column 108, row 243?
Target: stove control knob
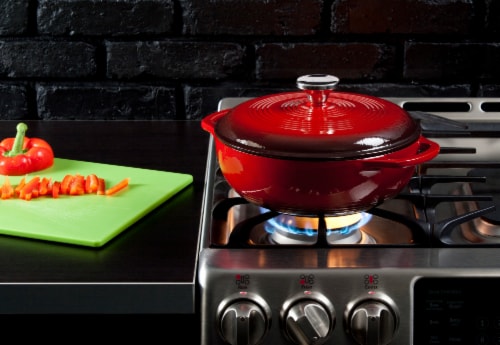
column 372, row 322
column 308, row 320
column 244, row 321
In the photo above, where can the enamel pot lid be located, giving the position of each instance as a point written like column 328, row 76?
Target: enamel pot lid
column 317, row 123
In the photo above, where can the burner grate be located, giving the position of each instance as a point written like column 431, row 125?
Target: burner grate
column 426, row 229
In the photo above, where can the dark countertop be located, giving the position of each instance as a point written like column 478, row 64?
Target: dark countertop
column 150, row 267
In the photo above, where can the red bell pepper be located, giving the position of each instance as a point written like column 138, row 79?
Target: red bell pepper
column 91, row 183
column 22, row 155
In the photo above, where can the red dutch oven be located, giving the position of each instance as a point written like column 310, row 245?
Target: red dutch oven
column 318, row 152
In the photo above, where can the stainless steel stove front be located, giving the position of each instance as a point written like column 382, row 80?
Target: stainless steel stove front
column 350, row 296
column 356, row 294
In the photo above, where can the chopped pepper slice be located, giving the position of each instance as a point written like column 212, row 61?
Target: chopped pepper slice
column 45, row 185
column 91, row 183
column 117, row 187
column 55, row 189
column 22, row 155
column 7, row 189
column 77, row 186
column 20, row 186
column 66, row 184
column 101, row 186
column 30, row 189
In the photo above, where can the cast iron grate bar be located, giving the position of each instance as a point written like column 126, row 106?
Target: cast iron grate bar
column 442, row 232
column 222, row 207
column 423, row 184
column 459, row 164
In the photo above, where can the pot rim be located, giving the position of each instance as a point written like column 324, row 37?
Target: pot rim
column 318, row 156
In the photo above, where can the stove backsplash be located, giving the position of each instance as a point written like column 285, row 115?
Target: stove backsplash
column 173, row 59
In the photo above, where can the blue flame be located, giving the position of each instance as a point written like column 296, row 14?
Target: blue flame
column 273, row 224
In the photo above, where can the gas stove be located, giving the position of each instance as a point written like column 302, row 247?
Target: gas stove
column 421, row 268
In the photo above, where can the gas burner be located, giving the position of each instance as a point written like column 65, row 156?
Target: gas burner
column 240, row 224
column 288, row 229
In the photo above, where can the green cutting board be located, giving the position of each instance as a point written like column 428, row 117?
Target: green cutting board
column 88, row 220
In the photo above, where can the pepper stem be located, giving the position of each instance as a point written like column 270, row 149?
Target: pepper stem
column 17, row 147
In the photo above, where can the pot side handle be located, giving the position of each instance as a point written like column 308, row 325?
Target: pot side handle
column 428, row 150
column 208, row 122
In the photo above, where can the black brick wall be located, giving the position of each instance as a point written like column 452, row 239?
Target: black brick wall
column 174, row 59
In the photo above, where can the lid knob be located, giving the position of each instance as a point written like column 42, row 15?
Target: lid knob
column 317, row 87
